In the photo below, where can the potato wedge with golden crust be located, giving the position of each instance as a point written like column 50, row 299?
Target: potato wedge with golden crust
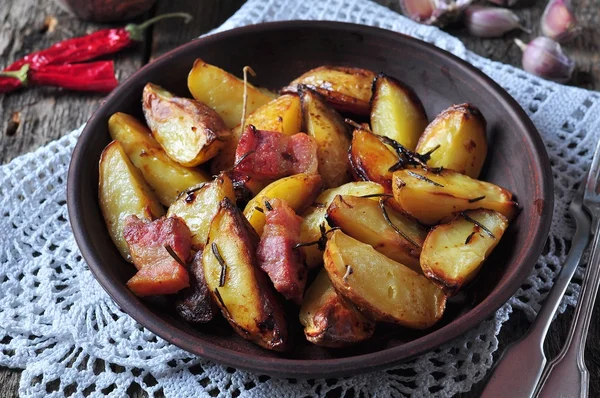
column 458, row 133
column 240, row 289
column 167, row 177
column 198, row 205
column 329, row 320
column 345, row 89
column 432, row 197
column 283, row 114
column 381, row 289
column 397, row 112
column 122, row 191
column 371, row 159
column 391, row 233
column 189, row 131
column 224, row 92
column 298, row 190
column 328, row 129
column 314, row 217
column 195, row 303
column 453, row 253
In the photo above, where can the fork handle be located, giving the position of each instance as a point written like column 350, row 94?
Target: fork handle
column 567, row 375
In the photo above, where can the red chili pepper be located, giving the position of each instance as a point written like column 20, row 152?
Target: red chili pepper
column 84, row 48
column 96, row 76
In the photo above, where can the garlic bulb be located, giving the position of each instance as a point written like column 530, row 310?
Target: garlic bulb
column 434, row 12
column 482, row 21
column 544, row 57
column 558, row 21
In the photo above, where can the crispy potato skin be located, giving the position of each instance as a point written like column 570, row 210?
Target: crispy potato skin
column 189, row 131
column 122, row 191
column 460, row 133
column 330, row 321
column 167, row 177
column 298, row 190
column 363, row 219
column 380, row 288
column 345, row 89
column 246, row 296
column 432, row 198
column 397, row 111
column 371, row 159
column 199, row 205
column 195, row 304
column 282, row 114
column 315, row 215
column 224, row 92
column 328, row 129
column 453, row 253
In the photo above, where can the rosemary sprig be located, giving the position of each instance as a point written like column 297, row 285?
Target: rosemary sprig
column 377, row 195
column 480, row 225
column 191, row 190
column 174, row 255
column 217, row 254
column 259, row 209
column 389, row 221
column 268, row 205
column 423, row 178
column 468, row 240
column 477, row 199
column 321, row 242
column 245, row 72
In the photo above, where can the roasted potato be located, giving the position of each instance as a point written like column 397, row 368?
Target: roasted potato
column 458, row 133
column 371, row 159
column 282, row 114
column 328, row 129
column 298, row 190
column 238, row 286
column 166, row 177
column 198, row 206
column 122, row 191
column 346, row 89
column 381, row 289
column 224, row 92
column 397, row 112
column 453, row 253
column 190, row 132
column 432, row 197
column 314, row 217
column 195, row 303
column 329, row 320
column 397, row 236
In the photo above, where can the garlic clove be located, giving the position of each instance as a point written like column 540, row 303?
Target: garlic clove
column 482, row 21
column 504, row 3
column 434, row 12
column 418, row 10
column 544, row 57
column 558, row 21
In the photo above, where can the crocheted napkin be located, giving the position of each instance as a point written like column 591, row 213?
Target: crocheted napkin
column 69, row 337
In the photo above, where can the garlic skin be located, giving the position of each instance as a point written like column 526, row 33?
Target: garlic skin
column 434, row 12
column 558, row 21
column 504, row 3
column 544, row 57
column 482, row 21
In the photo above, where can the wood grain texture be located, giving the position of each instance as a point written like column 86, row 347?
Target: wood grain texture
column 48, row 113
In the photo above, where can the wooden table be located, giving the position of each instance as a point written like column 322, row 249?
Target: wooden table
column 34, row 117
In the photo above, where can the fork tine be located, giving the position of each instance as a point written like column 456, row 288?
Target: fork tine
column 591, row 190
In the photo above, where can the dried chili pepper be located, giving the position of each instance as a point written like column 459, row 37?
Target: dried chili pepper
column 96, row 76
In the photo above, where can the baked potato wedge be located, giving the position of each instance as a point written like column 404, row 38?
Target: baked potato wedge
column 432, row 197
column 397, row 112
column 195, row 303
column 458, row 133
column 391, row 233
column 328, row 129
column 166, row 177
column 298, row 190
column 329, row 320
column 371, row 159
column 122, row 191
column 314, row 217
column 283, row 114
column 189, row 131
column 345, row 89
column 241, row 290
column 380, row 288
column 224, row 92
column 453, row 253
column 197, row 206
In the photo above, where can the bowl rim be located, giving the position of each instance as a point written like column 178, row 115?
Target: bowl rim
column 317, row 368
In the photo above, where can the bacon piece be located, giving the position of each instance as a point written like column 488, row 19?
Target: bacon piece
column 158, row 271
column 276, row 254
column 272, row 155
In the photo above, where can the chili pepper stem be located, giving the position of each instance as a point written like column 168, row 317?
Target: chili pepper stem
column 136, row 32
column 21, row 74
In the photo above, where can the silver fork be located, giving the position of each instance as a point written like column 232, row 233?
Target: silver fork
column 567, row 376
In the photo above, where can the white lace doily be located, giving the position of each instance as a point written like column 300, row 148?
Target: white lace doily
column 71, row 339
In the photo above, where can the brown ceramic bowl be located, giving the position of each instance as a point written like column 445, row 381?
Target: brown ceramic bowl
column 278, row 52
